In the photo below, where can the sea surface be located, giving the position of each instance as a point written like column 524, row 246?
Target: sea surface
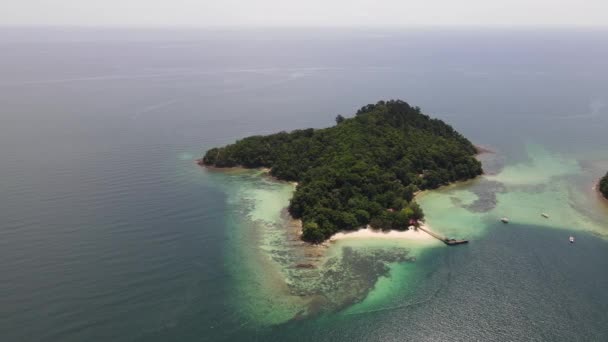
column 109, row 231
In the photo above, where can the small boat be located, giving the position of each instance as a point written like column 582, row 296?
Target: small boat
column 571, row 239
column 544, row 215
column 504, row 220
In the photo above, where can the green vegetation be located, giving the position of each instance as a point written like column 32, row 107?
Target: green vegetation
column 365, row 170
column 604, row 186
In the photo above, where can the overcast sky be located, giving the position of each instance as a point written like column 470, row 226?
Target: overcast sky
column 361, row 13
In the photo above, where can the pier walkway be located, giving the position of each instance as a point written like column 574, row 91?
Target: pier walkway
column 447, row 241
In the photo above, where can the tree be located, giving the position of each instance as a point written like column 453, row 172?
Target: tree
column 417, row 213
column 339, row 119
column 311, row 232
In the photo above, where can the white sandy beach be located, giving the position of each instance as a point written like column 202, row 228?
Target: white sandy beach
column 367, row 233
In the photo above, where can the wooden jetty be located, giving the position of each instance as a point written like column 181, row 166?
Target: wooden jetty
column 447, row 241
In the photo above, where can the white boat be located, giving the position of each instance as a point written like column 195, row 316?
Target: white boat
column 504, row 220
column 571, row 239
column 544, row 215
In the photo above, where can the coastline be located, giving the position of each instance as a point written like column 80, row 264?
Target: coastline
column 200, row 163
column 264, row 170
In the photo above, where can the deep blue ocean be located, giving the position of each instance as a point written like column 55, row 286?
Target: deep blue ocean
column 110, row 232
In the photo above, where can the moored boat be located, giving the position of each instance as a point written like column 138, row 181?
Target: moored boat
column 504, row 220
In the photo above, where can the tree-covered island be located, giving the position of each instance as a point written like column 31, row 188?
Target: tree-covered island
column 604, row 186
column 364, row 170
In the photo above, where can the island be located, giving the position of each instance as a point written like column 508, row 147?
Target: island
column 603, row 186
column 363, row 171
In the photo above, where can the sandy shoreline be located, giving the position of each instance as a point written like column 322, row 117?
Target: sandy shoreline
column 368, row 233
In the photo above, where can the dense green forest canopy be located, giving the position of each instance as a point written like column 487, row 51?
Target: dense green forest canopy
column 604, row 186
column 364, row 170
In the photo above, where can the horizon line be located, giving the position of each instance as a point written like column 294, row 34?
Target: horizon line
column 307, row 27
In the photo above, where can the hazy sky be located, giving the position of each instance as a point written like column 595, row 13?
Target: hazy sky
column 305, row 12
